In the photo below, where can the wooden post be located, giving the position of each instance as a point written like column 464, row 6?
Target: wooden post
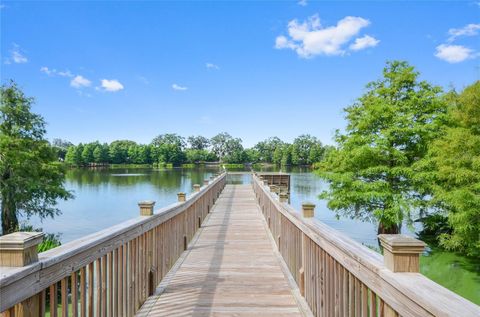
column 283, row 197
column 181, row 197
column 274, row 189
column 401, row 253
column 196, row 187
column 205, row 182
column 20, row 249
column 146, row 207
column 308, row 210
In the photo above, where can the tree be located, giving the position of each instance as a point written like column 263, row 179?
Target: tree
column 87, row 153
column 100, row 153
column 31, row 178
column 301, row 148
column 266, row 149
column 451, row 172
column 74, row 155
column 198, row 142
column 61, row 146
column 227, row 148
column 287, row 155
column 389, row 128
column 118, row 151
column 169, row 148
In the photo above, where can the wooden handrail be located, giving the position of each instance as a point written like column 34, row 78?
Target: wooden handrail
column 128, row 259
column 340, row 277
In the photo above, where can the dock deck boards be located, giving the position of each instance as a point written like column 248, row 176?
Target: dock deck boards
column 230, row 269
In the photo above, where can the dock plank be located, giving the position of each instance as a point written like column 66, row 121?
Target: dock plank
column 230, row 270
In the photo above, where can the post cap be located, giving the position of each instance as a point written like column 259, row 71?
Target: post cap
column 206, row 181
column 401, row 243
column 146, row 203
column 196, row 187
column 308, row 205
column 181, row 196
column 20, row 240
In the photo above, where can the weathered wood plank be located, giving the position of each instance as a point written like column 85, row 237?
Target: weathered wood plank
column 230, row 270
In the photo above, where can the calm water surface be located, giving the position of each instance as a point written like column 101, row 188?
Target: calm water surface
column 110, row 196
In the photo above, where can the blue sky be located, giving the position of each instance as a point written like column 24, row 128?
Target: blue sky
column 105, row 70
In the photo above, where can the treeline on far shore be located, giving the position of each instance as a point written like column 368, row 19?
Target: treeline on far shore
column 175, row 150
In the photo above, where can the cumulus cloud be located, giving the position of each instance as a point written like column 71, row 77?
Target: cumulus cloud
column 310, row 38
column 468, row 30
column 80, row 82
column 178, row 87
column 364, row 42
column 211, row 66
column 111, row 85
column 454, row 53
column 17, row 56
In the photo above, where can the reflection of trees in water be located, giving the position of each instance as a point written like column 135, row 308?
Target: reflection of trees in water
column 306, row 183
column 166, row 179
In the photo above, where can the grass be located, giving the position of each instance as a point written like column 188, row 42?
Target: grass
column 455, row 272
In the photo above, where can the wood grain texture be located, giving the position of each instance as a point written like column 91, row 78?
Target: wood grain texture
column 230, row 270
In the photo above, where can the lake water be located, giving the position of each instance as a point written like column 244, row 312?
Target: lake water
column 106, row 197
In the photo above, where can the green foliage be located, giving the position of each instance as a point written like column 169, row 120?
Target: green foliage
column 50, row 240
column 389, row 129
column 198, row 142
column 266, row 149
column 227, row 148
column 168, row 148
column 31, row 178
column 450, row 172
column 306, row 149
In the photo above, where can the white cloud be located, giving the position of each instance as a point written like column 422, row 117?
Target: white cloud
column 309, row 38
column 65, row 73
column 54, row 72
column 178, row 87
column 454, row 53
column 364, row 42
column 111, row 85
column 303, row 3
column 211, row 66
column 468, row 30
column 80, row 82
column 47, row 71
column 16, row 56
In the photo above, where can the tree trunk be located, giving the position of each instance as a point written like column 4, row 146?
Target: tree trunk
column 392, row 229
column 9, row 218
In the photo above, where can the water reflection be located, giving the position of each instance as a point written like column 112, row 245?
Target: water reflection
column 104, row 197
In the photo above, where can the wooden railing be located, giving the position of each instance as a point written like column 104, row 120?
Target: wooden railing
column 111, row 272
column 340, row 277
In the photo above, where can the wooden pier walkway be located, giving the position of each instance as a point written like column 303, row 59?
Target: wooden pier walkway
column 225, row 250
column 231, row 267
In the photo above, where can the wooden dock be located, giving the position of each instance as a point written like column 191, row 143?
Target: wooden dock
column 224, row 250
column 231, row 268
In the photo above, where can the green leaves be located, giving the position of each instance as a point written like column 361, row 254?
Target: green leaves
column 450, row 172
column 31, row 179
column 388, row 130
